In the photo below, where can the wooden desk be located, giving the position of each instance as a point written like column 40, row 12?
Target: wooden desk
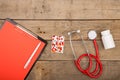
column 57, row 17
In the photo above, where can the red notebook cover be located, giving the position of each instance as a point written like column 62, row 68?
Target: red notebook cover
column 19, row 49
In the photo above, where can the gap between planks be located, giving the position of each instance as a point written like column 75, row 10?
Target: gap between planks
column 62, row 19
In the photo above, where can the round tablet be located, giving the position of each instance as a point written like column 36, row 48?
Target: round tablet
column 92, row 34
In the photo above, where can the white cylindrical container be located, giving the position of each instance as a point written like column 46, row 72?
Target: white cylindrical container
column 107, row 39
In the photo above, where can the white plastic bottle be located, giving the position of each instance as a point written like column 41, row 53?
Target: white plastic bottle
column 107, row 39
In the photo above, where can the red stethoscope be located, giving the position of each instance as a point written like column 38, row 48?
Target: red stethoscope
column 98, row 69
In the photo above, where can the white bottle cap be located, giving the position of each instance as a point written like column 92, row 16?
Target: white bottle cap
column 106, row 32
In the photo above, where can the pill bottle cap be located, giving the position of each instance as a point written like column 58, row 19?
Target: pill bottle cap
column 106, row 32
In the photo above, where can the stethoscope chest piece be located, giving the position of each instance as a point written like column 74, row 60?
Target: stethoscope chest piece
column 92, row 34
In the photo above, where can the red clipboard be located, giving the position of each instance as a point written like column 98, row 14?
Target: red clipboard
column 19, row 49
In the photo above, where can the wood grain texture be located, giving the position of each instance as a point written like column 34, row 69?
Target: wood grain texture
column 66, row 70
column 57, row 17
column 111, row 54
column 60, row 9
column 47, row 29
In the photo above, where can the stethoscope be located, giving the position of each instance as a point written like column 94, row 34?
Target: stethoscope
column 98, row 69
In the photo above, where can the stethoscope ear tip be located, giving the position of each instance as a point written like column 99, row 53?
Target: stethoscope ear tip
column 69, row 33
column 78, row 31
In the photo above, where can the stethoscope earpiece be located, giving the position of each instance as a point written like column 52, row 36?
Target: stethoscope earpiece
column 69, row 33
column 76, row 31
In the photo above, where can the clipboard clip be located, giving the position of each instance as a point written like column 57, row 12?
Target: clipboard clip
column 23, row 28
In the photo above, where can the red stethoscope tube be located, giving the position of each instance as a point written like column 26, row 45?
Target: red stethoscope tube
column 98, row 69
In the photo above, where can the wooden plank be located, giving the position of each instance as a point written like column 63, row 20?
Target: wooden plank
column 111, row 54
column 47, row 29
column 54, row 70
column 60, row 9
